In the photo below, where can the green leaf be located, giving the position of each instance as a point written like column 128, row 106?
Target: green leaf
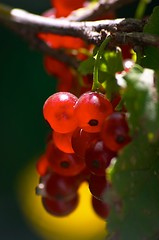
column 151, row 59
column 110, row 63
column 152, row 25
column 140, row 101
column 134, row 195
column 86, row 67
column 113, row 61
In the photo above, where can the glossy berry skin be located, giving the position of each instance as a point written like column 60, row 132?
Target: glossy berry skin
column 97, row 186
column 101, row 208
column 57, row 187
column 68, row 165
column 60, row 208
column 81, row 140
column 91, row 109
column 58, row 111
column 98, row 158
column 115, row 131
column 63, row 141
column 65, row 164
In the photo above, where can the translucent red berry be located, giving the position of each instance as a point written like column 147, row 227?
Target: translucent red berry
column 81, row 140
column 63, row 141
column 91, row 109
column 98, row 158
column 98, row 185
column 58, row 110
column 60, row 208
column 55, row 186
column 65, row 164
column 115, row 131
column 101, row 208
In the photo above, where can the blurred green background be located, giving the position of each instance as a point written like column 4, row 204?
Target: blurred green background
column 24, row 88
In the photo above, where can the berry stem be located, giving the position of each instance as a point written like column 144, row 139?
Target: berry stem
column 140, row 11
column 96, row 83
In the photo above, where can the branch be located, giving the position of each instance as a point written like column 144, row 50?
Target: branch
column 90, row 31
column 28, row 25
column 97, row 9
column 59, row 54
column 136, row 38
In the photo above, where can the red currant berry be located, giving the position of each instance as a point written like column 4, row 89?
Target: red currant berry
column 91, row 109
column 101, row 208
column 115, row 131
column 60, row 208
column 97, row 186
column 81, row 140
column 55, row 186
column 66, row 164
column 98, row 158
column 58, row 111
column 63, row 141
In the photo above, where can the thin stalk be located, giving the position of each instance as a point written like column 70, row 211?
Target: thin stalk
column 140, row 11
column 96, row 82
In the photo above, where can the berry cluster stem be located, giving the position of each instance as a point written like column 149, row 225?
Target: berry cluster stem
column 96, row 83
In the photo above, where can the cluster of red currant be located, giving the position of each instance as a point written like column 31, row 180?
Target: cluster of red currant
column 87, row 132
column 86, row 135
